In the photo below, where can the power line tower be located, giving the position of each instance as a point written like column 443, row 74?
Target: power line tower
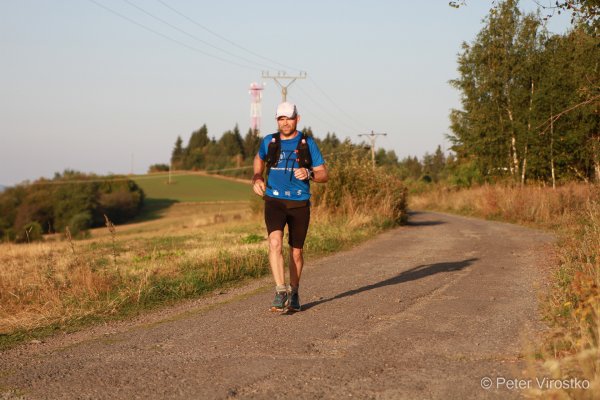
column 255, row 106
column 373, row 137
column 282, row 75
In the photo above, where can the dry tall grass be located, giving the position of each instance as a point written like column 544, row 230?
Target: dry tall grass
column 55, row 283
column 356, row 188
column 191, row 250
column 573, row 305
column 536, row 205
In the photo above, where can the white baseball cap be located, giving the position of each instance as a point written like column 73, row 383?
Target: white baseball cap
column 286, row 110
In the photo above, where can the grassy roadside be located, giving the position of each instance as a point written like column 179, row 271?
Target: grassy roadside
column 59, row 286
column 572, row 305
column 183, row 250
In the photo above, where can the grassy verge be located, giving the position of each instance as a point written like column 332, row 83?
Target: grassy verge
column 61, row 286
column 572, row 306
column 183, row 250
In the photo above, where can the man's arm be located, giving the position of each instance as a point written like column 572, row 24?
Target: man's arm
column 258, row 182
column 320, row 174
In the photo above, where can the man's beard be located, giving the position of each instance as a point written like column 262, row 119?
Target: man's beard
column 291, row 132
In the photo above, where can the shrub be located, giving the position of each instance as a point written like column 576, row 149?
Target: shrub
column 31, row 232
column 120, row 205
column 158, row 168
column 80, row 223
column 354, row 186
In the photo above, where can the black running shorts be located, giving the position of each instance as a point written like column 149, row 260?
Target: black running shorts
column 296, row 214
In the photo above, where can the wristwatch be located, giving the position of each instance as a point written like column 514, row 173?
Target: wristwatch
column 311, row 174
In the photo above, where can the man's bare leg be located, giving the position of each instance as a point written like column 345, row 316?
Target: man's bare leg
column 296, row 264
column 276, row 257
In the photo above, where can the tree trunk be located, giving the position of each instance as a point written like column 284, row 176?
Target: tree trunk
column 524, row 169
column 510, row 166
column 513, row 142
column 524, row 166
column 552, row 148
column 596, row 150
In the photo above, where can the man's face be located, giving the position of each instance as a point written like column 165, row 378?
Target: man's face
column 287, row 126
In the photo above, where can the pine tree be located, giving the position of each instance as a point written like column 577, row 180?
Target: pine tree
column 251, row 144
column 177, row 154
column 198, row 139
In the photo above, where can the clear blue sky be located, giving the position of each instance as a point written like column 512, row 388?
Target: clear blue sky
column 85, row 89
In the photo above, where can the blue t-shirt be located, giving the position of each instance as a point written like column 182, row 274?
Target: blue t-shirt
column 281, row 182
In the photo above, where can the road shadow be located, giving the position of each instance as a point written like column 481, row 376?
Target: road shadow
column 412, row 274
column 421, row 223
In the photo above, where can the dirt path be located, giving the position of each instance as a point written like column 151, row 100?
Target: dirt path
column 421, row 312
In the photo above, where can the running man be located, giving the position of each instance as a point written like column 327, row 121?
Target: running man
column 291, row 159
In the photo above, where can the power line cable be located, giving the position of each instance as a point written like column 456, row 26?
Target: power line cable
column 334, row 103
column 318, row 104
column 170, row 38
column 258, row 55
column 195, row 37
column 314, row 115
column 222, row 37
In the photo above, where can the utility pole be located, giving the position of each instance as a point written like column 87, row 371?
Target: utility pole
column 372, row 137
column 281, row 75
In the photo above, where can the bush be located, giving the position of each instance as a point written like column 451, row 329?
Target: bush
column 80, row 223
column 354, row 186
column 32, row 232
column 158, row 168
column 465, row 175
column 121, row 205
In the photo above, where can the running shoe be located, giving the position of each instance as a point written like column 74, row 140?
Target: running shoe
column 294, row 305
column 280, row 301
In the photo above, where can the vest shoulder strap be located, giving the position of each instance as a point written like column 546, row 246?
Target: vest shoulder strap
column 273, row 152
column 303, row 156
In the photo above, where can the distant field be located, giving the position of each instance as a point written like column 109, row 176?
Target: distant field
column 193, row 188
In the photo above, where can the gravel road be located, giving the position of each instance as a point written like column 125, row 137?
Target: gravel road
column 423, row 311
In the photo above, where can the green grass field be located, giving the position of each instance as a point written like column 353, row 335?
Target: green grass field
column 193, row 188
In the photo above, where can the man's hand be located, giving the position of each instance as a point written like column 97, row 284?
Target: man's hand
column 259, row 187
column 301, row 174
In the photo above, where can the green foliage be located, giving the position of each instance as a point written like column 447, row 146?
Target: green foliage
column 410, row 168
column 80, row 223
column 120, row 205
column 354, row 185
column 70, row 199
column 252, row 238
column 232, row 153
column 530, row 100
column 584, row 13
column 178, row 154
column 383, row 157
column 158, row 168
column 31, row 232
column 251, row 144
column 464, row 175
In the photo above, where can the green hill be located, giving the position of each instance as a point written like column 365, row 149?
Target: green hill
column 192, row 188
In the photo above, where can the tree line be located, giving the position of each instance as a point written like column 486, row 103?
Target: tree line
column 530, row 100
column 232, row 155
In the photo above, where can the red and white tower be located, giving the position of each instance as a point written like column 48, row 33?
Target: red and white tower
column 255, row 106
